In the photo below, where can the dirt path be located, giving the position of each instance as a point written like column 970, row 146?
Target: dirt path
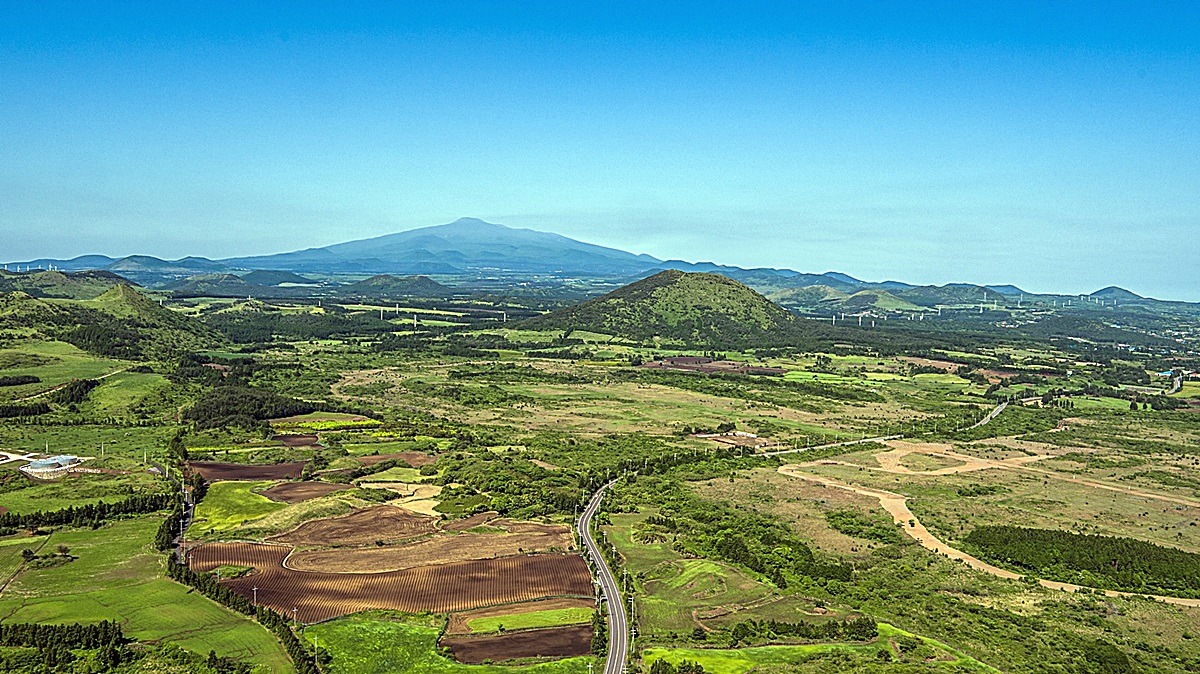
column 896, row 505
column 64, row 385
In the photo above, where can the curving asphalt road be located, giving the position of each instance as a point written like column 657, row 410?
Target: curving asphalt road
column 618, row 624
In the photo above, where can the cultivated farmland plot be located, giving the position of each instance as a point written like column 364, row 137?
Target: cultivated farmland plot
column 443, row 588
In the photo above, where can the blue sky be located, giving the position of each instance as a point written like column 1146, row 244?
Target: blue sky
column 1051, row 145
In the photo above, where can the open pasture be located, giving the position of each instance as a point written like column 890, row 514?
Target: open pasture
column 229, row 505
column 413, row 459
column 298, row 492
column 383, row 643
column 441, row 588
column 361, row 527
column 554, row 612
column 116, row 575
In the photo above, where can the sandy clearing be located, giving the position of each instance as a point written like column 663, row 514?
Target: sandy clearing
column 896, row 505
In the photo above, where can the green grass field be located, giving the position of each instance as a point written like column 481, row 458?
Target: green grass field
column 117, row 576
column 10, row 554
column 520, row 621
column 396, row 474
column 54, row 363
column 741, row 660
column 25, row 495
column 229, row 505
column 383, row 643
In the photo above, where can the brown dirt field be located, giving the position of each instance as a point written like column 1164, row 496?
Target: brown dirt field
column 458, row 621
column 522, row 538
column 297, row 492
column 413, row 459
column 361, row 527
column 470, row 522
column 443, row 588
column 239, row 471
column 3, row 510
column 295, row 440
column 555, row 642
column 209, row 556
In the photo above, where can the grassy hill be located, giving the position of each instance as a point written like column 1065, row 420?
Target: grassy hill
column 386, row 285
column 692, row 308
column 80, row 285
column 121, row 323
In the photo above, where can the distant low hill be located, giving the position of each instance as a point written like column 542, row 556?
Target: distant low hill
column 81, row 285
column 385, row 285
column 691, row 308
column 120, row 323
column 271, row 277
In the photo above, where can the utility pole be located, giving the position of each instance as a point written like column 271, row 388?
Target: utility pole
column 255, row 595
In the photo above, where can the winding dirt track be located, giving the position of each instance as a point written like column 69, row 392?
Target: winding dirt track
column 896, row 505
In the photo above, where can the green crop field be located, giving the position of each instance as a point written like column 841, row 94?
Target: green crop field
column 231, row 504
column 814, row 658
column 117, row 576
column 23, row 495
column 532, row 619
column 383, row 643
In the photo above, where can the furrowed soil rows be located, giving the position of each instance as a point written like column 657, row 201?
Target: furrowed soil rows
column 297, row 492
column 361, row 527
column 238, row 471
column 555, row 642
column 209, row 556
column 295, row 440
column 413, row 459
column 443, row 588
column 520, row 538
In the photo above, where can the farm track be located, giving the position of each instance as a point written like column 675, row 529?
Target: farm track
column 896, row 505
column 443, row 588
column 52, row 389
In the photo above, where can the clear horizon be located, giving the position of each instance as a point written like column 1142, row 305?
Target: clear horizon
column 1053, row 148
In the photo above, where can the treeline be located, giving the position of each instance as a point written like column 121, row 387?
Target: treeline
column 861, row 628
column 14, row 410
column 207, row 585
column 243, row 406
column 19, row 380
column 74, row 391
column 54, row 645
column 661, row 666
column 1109, row 562
column 90, row 515
column 253, row 327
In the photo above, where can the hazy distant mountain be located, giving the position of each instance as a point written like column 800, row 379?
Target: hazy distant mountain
column 465, row 245
column 471, row 248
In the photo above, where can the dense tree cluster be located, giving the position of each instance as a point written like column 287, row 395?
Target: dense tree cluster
column 1113, row 563
column 243, row 406
column 74, row 391
column 54, row 645
column 14, row 410
column 19, row 380
column 661, row 666
column 861, row 628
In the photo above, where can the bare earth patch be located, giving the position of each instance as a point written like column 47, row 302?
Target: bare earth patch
column 459, row 621
column 297, row 492
column 361, row 527
column 556, row 642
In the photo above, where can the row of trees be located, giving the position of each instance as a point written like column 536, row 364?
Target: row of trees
column 1110, row 562
column 91, row 514
column 861, row 628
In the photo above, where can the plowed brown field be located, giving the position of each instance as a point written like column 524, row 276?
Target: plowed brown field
column 521, row 538
column 555, row 642
column 296, row 492
column 442, row 589
column 239, row 471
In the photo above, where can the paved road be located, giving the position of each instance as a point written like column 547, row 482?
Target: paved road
column 618, row 624
column 1175, row 386
column 991, row 415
